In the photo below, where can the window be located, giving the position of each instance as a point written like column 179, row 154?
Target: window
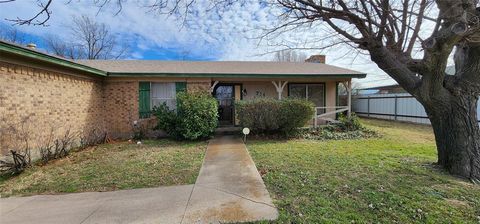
column 312, row 92
column 163, row 92
column 156, row 93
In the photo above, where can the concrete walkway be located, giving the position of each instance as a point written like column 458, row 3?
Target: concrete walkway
column 150, row 205
column 228, row 189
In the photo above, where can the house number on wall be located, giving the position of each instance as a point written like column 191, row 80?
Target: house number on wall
column 259, row 94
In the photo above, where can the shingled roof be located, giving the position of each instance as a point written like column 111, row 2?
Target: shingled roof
column 254, row 69
column 8, row 49
column 152, row 67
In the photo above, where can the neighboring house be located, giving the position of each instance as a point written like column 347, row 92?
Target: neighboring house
column 393, row 88
column 112, row 94
column 386, row 89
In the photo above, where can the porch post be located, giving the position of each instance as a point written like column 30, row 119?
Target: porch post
column 279, row 87
column 213, row 86
column 349, row 92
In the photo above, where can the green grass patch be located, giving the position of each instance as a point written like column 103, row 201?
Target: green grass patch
column 391, row 179
column 112, row 167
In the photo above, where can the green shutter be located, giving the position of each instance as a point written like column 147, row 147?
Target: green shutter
column 180, row 86
column 144, row 99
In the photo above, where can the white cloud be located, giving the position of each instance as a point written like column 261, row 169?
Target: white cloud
column 231, row 35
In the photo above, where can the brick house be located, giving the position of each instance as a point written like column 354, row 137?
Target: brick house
column 58, row 93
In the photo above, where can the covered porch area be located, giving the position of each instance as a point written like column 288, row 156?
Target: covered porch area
column 324, row 93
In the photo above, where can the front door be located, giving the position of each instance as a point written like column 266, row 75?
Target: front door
column 225, row 96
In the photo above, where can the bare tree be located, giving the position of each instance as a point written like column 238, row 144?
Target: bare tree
column 57, row 46
column 88, row 40
column 11, row 34
column 389, row 31
column 39, row 19
column 289, row 56
column 342, row 89
column 392, row 33
column 96, row 39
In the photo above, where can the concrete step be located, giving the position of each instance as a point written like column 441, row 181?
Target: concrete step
column 228, row 130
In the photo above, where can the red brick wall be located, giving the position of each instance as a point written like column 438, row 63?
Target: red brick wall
column 50, row 102
column 58, row 100
column 198, row 86
column 121, row 107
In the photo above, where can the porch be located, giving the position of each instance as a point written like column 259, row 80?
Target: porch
column 324, row 93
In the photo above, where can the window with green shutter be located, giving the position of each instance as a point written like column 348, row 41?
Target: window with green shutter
column 144, row 99
column 157, row 93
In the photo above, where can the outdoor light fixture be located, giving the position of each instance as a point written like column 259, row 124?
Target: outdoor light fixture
column 245, row 132
column 244, row 92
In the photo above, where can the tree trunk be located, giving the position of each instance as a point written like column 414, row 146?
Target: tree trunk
column 457, row 134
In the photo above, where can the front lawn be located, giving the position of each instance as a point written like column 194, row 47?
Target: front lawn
column 391, row 179
column 110, row 167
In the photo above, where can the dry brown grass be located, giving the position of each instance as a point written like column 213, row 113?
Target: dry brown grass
column 110, row 167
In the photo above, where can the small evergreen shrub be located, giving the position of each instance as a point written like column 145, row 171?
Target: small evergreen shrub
column 272, row 116
column 295, row 113
column 196, row 116
column 166, row 119
column 351, row 123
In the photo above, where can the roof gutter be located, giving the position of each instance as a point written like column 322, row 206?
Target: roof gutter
column 225, row 75
column 13, row 49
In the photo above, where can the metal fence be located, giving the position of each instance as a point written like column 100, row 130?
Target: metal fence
column 401, row 107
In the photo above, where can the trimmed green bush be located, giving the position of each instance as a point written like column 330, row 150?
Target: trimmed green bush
column 274, row 116
column 166, row 119
column 195, row 118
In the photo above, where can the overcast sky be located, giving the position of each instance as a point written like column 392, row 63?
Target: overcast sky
column 232, row 36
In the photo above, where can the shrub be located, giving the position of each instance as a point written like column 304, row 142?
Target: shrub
column 94, row 136
column 274, row 116
column 57, row 148
column 334, row 132
column 347, row 128
column 351, row 123
column 195, row 118
column 15, row 136
column 166, row 119
column 16, row 164
column 260, row 115
column 296, row 113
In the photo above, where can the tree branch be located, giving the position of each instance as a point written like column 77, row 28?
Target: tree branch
column 44, row 10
